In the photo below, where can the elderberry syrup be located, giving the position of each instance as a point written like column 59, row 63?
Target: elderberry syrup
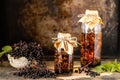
column 91, row 44
column 63, row 62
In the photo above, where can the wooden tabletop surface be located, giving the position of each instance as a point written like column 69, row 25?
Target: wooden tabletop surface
column 6, row 73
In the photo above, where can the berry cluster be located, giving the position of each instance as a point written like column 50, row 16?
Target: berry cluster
column 88, row 71
column 35, row 72
column 30, row 50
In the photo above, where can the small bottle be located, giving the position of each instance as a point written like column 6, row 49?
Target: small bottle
column 91, row 39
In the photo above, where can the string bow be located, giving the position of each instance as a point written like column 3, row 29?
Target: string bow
column 66, row 42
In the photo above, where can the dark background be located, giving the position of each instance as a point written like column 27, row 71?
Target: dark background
column 119, row 29
column 10, row 32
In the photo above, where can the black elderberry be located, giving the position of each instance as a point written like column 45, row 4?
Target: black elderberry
column 34, row 73
column 88, row 71
column 76, row 71
column 32, row 51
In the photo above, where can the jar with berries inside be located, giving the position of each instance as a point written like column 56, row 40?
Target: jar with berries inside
column 91, row 39
column 64, row 53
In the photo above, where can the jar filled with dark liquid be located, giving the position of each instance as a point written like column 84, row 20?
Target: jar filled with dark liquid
column 91, row 44
column 63, row 62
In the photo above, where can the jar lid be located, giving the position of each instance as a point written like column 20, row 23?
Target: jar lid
column 91, row 18
column 66, row 42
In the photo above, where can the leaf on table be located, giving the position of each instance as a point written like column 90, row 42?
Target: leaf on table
column 108, row 67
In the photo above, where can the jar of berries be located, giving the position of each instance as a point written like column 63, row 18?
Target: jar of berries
column 91, row 39
column 63, row 57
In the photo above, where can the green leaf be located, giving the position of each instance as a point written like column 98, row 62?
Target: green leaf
column 7, row 48
column 108, row 67
column 99, row 69
column 118, row 67
column 115, row 61
column 113, row 68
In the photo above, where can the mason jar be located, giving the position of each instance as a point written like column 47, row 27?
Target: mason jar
column 91, row 45
column 64, row 51
column 63, row 62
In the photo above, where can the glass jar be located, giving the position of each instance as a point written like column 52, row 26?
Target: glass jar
column 91, row 44
column 63, row 57
column 63, row 62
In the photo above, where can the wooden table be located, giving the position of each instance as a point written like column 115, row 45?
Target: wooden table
column 6, row 73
